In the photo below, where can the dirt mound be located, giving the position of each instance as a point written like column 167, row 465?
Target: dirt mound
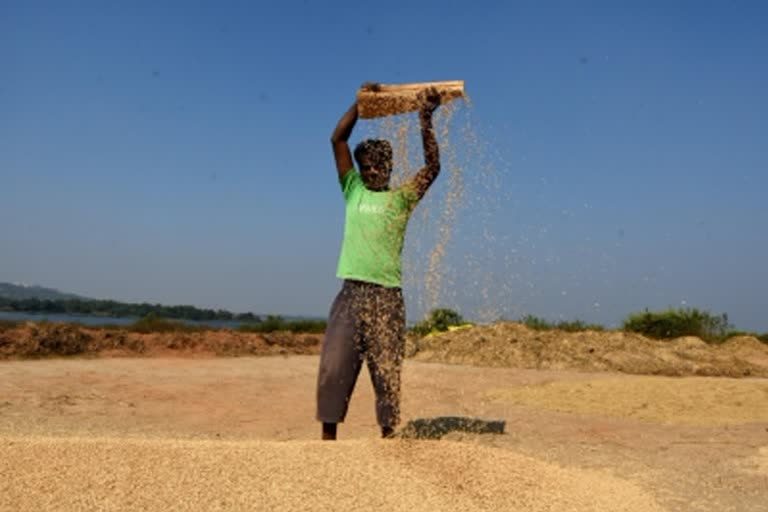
column 125, row 474
column 43, row 340
column 512, row 344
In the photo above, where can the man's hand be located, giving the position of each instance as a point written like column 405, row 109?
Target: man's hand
column 430, row 100
column 371, row 87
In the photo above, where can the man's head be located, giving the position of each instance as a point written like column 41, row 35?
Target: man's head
column 374, row 159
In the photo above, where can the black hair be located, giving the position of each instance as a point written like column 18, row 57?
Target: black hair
column 378, row 151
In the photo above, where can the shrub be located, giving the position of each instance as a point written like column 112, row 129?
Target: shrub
column 8, row 324
column 438, row 320
column 763, row 337
column 154, row 323
column 307, row 326
column 536, row 323
column 540, row 324
column 108, row 327
column 59, row 339
column 275, row 323
column 674, row 323
column 272, row 323
column 578, row 326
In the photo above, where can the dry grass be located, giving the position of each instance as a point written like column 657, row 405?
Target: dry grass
column 31, row 340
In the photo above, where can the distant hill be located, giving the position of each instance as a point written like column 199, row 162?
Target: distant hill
column 22, row 291
column 37, row 299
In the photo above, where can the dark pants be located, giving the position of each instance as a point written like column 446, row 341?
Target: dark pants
column 367, row 321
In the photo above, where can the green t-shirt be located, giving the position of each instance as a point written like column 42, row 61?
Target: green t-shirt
column 374, row 231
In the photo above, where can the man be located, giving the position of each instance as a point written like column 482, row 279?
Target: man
column 367, row 319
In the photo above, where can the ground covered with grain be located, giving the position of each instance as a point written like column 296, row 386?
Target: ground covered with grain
column 204, row 433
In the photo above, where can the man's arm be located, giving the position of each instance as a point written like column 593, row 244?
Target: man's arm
column 339, row 140
column 426, row 176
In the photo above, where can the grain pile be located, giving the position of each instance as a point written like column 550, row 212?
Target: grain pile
column 127, row 474
column 509, row 344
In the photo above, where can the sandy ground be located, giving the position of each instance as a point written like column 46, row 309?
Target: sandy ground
column 239, row 434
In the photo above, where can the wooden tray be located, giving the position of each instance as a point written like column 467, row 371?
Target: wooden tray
column 394, row 99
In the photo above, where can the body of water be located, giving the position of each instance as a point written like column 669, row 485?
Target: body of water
column 96, row 321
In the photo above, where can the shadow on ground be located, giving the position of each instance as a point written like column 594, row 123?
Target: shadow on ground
column 436, row 428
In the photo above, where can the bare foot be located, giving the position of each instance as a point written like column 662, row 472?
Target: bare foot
column 329, row 431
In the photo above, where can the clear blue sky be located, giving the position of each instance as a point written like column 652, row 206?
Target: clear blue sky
column 178, row 152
